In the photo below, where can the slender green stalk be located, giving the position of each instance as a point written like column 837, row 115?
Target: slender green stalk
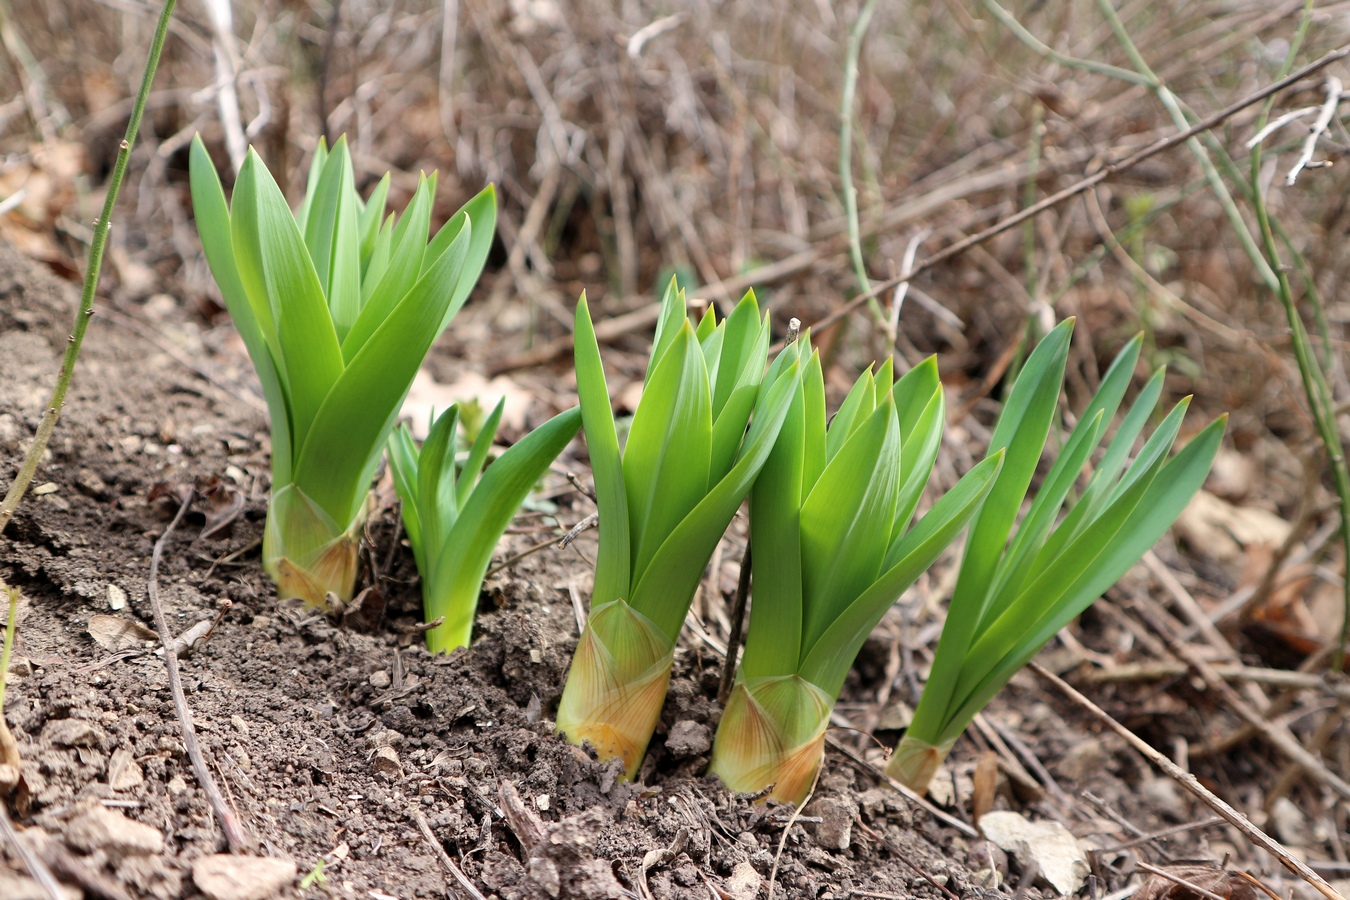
column 9, row 748
column 855, row 40
column 1315, row 386
column 12, row 593
column 1172, row 104
column 96, row 247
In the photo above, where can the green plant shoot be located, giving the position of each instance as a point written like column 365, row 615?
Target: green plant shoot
column 1011, row 597
column 832, row 549
column 455, row 513
column 337, row 305
column 664, row 504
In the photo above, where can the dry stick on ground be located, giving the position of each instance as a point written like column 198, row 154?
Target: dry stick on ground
column 1108, row 171
column 234, row 833
column 792, row 820
column 455, row 871
column 41, row 874
column 1258, row 837
column 1332, row 686
column 1277, row 734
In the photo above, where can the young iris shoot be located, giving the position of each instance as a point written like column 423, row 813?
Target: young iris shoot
column 337, row 305
column 1011, row 597
column 455, row 512
column 664, row 504
column 832, row 550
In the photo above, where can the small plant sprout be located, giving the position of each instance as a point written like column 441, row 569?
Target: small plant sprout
column 337, row 305
column 832, row 550
column 687, row 465
column 1011, row 597
column 455, row 512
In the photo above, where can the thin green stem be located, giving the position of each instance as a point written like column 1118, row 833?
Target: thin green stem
column 1310, row 366
column 28, row 468
column 1195, row 145
column 846, row 154
column 1020, row 31
column 10, row 622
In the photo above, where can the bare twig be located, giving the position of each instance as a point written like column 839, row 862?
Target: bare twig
column 1176, row 879
column 455, row 871
column 234, row 833
column 41, row 874
column 1276, row 733
column 792, row 820
column 1191, row 784
column 1319, row 127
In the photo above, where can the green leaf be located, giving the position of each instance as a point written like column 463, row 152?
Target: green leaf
column 481, row 213
column 309, row 346
column 359, row 411
column 667, row 586
column 742, row 330
column 827, row 661
column 672, row 316
column 333, row 239
column 372, row 214
column 922, row 416
column 774, row 635
column 668, row 454
column 1166, row 496
column 857, row 406
column 846, row 520
column 403, row 466
column 1022, row 430
column 213, row 225
column 479, row 452
column 408, row 245
column 437, row 502
column 613, row 562
column 316, row 165
column 814, row 440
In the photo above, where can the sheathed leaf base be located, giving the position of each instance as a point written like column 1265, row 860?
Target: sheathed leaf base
column 306, row 553
column 772, row 733
column 915, row 762
column 617, row 683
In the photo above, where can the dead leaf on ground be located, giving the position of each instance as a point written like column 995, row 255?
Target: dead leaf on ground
column 1224, row 531
column 222, row 501
column 1048, row 844
column 116, row 633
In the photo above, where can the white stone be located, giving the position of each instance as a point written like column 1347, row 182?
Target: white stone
column 1049, row 844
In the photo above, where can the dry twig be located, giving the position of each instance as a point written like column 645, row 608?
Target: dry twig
column 1191, row 784
column 41, row 874
column 234, row 833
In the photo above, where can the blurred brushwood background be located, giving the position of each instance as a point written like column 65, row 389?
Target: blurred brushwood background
column 632, row 140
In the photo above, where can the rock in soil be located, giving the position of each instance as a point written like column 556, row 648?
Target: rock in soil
column 226, row 877
column 99, row 828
